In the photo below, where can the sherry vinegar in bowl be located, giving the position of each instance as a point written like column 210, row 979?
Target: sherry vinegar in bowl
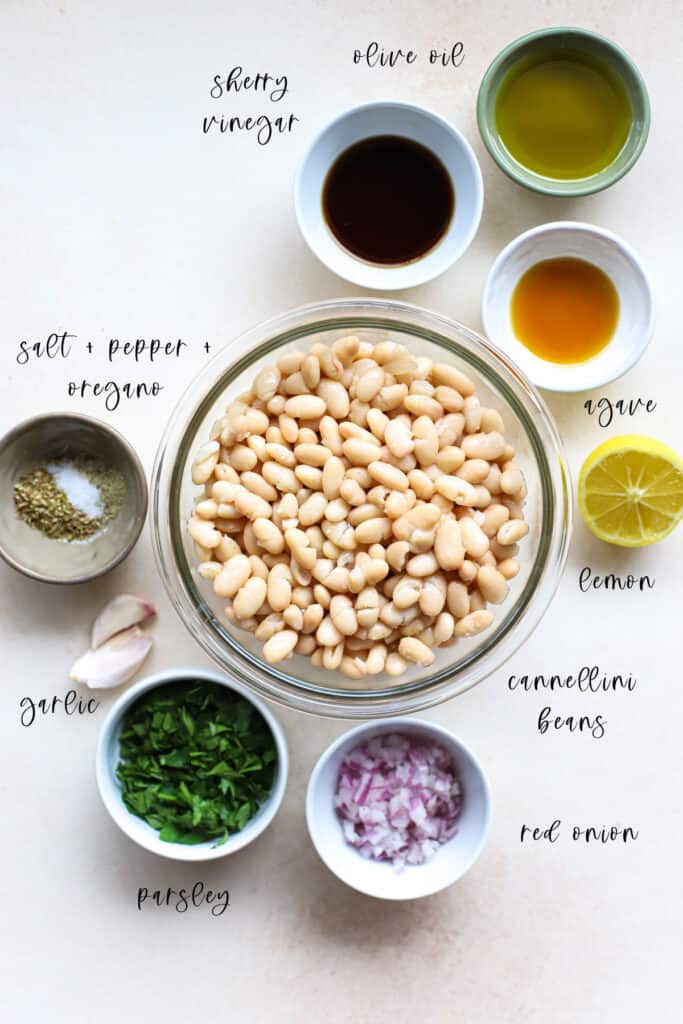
column 389, row 195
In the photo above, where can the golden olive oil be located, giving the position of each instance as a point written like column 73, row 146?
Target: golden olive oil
column 564, row 310
column 563, row 114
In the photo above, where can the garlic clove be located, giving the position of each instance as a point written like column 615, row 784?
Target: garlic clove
column 123, row 611
column 113, row 662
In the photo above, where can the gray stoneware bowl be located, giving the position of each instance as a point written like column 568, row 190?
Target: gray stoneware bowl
column 54, row 436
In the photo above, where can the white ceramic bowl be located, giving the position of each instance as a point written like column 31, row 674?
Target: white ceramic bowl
column 408, row 121
column 107, row 756
column 599, row 247
column 379, row 878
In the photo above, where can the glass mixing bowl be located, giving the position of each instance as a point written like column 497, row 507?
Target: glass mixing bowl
column 528, row 426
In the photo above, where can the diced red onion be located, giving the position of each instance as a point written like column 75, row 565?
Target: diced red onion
column 398, row 799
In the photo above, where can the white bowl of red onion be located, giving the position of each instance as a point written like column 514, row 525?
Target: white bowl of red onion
column 398, row 809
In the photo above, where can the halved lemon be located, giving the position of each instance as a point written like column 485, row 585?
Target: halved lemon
column 631, row 491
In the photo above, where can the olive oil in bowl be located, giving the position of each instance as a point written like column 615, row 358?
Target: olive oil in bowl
column 563, row 114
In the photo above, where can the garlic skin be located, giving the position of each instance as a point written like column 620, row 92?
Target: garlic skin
column 114, row 662
column 123, row 611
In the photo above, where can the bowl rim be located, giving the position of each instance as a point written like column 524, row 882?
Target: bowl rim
column 175, row 444
column 358, row 269
column 581, row 228
column 529, row 179
column 120, row 814
column 133, row 458
column 400, row 724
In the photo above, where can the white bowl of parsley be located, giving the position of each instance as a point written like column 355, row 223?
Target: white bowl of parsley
column 190, row 765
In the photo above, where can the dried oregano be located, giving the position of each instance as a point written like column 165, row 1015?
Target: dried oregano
column 43, row 505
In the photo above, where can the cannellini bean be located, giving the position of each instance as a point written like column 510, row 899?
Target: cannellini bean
column 422, row 565
column 508, row 568
column 456, row 490
column 448, row 546
column 474, row 471
column 294, row 617
column 472, row 414
column 267, row 382
column 249, row 597
column 473, row 623
column 458, row 600
column 397, row 554
column 360, row 453
column 491, row 420
column 413, row 649
column 378, row 423
column 333, row 477
column 205, row 461
column 269, row 626
column 252, row 506
column 346, row 348
column 305, row 407
column 279, row 588
column 343, row 615
column 258, row 567
column 395, row 665
column 336, row 398
column 370, row 383
column 512, row 531
column 310, row 371
column 280, row 645
column 337, row 510
column 207, row 509
column 332, row 656
column 376, row 659
column 492, row 585
column 433, row 596
column 512, row 481
column 493, row 519
column 280, row 453
column 484, row 446
column 388, row 476
column 372, row 530
column 444, row 628
column 309, row 476
column 450, row 458
column 406, row 593
column 444, row 374
column 352, row 667
column 449, row 398
column 209, row 570
column 226, row 549
column 330, row 365
column 327, row 634
column 204, row 533
column 398, row 437
column 468, row 571
column 420, row 484
column 268, row 536
column 313, row 616
column 313, row 509
column 312, row 454
column 305, row 645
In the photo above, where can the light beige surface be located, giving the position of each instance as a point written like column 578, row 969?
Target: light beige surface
column 118, row 218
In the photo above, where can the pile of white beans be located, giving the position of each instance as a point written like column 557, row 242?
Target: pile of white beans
column 360, row 507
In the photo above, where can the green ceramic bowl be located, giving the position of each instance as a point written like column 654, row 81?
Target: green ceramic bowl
column 595, row 46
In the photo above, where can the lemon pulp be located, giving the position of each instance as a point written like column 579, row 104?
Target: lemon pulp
column 631, row 491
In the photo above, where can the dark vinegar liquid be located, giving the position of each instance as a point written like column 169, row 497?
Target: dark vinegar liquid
column 388, row 199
